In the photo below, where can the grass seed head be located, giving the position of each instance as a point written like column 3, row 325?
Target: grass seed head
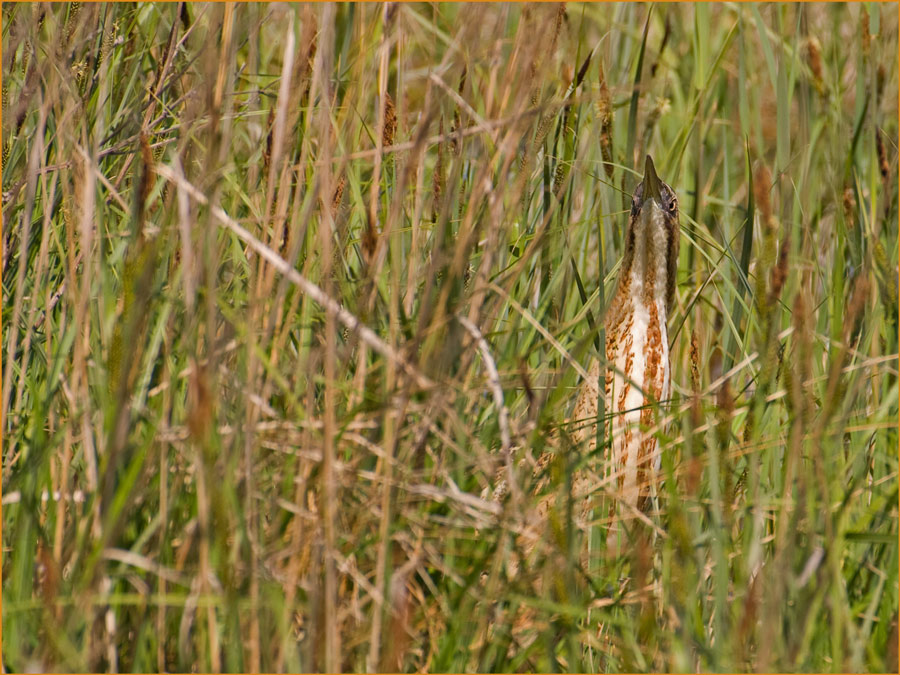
column 109, row 40
column 557, row 29
column 71, row 19
column 338, row 195
column 780, row 271
column 814, row 61
column 694, row 357
column 849, row 206
column 455, row 141
column 558, row 178
column 437, row 177
column 695, row 362
column 605, row 115
column 79, row 72
column 200, row 404
column 762, row 186
column 724, row 410
column 369, row 238
column 855, row 306
column 865, row 35
column 390, row 121
column 883, row 165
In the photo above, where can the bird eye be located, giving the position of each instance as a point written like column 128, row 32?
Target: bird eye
column 673, row 205
column 669, row 200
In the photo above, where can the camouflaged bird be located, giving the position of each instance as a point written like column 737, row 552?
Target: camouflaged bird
column 637, row 374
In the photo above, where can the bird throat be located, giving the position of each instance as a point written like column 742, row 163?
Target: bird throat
column 644, row 268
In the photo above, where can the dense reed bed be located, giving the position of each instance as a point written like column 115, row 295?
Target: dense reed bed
column 296, row 300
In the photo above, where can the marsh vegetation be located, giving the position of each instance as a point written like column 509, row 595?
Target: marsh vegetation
column 290, row 290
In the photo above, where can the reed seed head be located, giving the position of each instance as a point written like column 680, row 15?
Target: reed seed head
column 390, row 121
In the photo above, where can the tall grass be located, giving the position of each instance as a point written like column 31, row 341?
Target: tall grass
column 296, row 301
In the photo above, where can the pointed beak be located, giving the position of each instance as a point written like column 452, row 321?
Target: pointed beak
column 651, row 182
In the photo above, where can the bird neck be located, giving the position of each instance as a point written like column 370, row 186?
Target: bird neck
column 644, row 275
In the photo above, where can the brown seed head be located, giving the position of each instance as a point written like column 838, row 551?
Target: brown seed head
column 69, row 28
column 779, row 272
column 390, row 121
column 762, row 184
column 883, row 164
column 79, row 72
column 455, row 141
column 849, row 203
column 560, row 17
column 604, row 100
column 200, row 404
column 857, row 303
column 544, row 125
column 109, row 40
column 696, row 411
column 437, row 178
column 725, row 405
column 558, row 179
column 338, row 195
column 369, row 239
column 864, row 32
column 814, row 61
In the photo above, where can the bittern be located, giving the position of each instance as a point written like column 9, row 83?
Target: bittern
column 637, row 369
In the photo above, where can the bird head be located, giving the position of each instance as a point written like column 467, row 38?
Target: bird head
column 652, row 196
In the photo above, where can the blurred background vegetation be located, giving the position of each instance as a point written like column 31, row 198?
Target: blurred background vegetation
column 296, row 297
